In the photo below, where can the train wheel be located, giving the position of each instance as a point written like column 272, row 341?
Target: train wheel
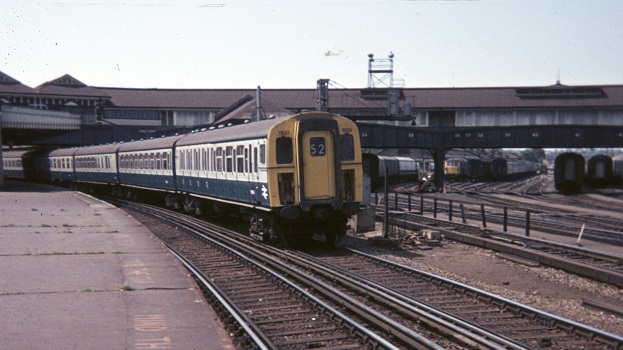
column 336, row 233
column 331, row 238
column 292, row 236
column 286, row 236
column 172, row 201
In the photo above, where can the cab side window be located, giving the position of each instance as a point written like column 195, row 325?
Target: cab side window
column 284, row 150
column 347, row 147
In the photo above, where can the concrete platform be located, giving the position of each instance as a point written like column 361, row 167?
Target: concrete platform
column 77, row 273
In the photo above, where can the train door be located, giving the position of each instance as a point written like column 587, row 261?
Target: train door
column 319, row 164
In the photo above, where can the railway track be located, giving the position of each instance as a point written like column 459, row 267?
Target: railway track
column 543, row 218
column 523, row 325
column 337, row 309
column 597, row 266
column 531, row 194
column 602, row 229
column 263, row 308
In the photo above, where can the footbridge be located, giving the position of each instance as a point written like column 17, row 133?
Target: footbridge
column 440, row 140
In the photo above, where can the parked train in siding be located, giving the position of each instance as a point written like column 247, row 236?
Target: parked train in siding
column 398, row 170
column 290, row 177
column 604, row 170
column 617, row 170
column 569, row 173
column 599, row 171
column 572, row 172
column 497, row 169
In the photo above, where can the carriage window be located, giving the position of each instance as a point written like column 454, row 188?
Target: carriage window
column 246, row 160
column 165, row 161
column 255, row 159
column 263, row 154
column 219, row 159
column 196, row 156
column 284, row 150
column 158, row 161
column 213, row 164
column 347, row 147
column 240, row 151
column 317, row 146
column 229, row 159
column 204, row 159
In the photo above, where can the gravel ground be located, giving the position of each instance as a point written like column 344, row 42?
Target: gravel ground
column 544, row 288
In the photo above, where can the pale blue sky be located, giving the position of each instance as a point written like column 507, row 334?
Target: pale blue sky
column 291, row 44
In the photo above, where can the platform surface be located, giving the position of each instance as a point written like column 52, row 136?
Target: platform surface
column 78, row 273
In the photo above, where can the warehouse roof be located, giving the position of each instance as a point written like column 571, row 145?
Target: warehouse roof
column 554, row 96
column 11, row 86
column 419, row 98
column 69, row 86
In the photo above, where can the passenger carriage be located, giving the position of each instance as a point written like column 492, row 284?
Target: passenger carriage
column 223, row 166
column 96, row 164
column 14, row 162
column 61, row 164
column 617, row 170
column 569, row 173
column 599, row 172
column 148, row 164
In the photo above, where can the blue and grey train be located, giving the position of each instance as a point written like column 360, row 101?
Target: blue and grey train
column 396, row 169
column 290, row 177
column 498, row 169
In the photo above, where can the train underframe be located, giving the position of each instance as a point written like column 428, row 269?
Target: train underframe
column 270, row 227
column 267, row 225
column 264, row 225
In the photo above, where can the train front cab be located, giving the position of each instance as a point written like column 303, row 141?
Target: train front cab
column 315, row 175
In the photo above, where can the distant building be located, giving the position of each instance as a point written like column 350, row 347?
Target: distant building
column 67, row 102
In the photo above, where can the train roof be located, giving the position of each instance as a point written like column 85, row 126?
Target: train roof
column 246, row 131
column 16, row 153
column 151, row 144
column 62, row 152
column 100, row 149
